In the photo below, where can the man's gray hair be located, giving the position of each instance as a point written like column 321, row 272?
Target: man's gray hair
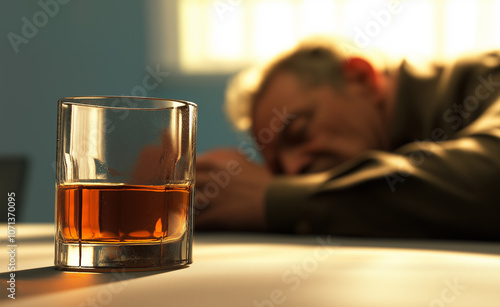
column 314, row 62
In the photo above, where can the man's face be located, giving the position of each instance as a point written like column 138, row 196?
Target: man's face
column 319, row 127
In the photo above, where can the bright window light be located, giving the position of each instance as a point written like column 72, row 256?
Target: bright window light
column 316, row 17
column 226, row 39
column 460, row 26
column 223, row 36
column 274, row 27
column 410, row 31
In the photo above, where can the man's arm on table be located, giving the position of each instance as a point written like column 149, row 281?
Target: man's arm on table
column 447, row 189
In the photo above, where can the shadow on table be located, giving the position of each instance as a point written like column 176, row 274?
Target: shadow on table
column 47, row 280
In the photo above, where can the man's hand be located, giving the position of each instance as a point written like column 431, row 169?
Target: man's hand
column 230, row 192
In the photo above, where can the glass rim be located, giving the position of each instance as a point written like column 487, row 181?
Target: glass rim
column 80, row 100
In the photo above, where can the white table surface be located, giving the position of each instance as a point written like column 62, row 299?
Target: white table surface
column 238, row 269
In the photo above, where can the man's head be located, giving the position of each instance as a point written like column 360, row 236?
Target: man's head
column 336, row 108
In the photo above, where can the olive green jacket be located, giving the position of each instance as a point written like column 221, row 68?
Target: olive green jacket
column 442, row 179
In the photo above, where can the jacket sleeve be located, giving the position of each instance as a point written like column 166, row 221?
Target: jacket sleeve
column 446, row 189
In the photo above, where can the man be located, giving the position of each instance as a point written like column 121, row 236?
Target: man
column 350, row 149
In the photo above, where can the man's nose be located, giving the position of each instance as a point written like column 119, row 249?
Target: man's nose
column 294, row 161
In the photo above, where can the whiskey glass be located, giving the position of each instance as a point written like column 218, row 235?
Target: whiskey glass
column 124, row 183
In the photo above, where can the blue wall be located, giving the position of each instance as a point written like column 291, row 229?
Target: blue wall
column 88, row 47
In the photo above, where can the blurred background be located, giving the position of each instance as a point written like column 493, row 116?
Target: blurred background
column 56, row 48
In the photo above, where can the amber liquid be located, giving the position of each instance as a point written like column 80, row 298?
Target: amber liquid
column 122, row 213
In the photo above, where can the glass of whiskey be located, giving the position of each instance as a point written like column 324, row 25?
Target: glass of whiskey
column 124, row 183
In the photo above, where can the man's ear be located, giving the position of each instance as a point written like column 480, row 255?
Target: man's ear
column 358, row 70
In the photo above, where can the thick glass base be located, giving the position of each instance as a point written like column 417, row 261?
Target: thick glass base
column 102, row 257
